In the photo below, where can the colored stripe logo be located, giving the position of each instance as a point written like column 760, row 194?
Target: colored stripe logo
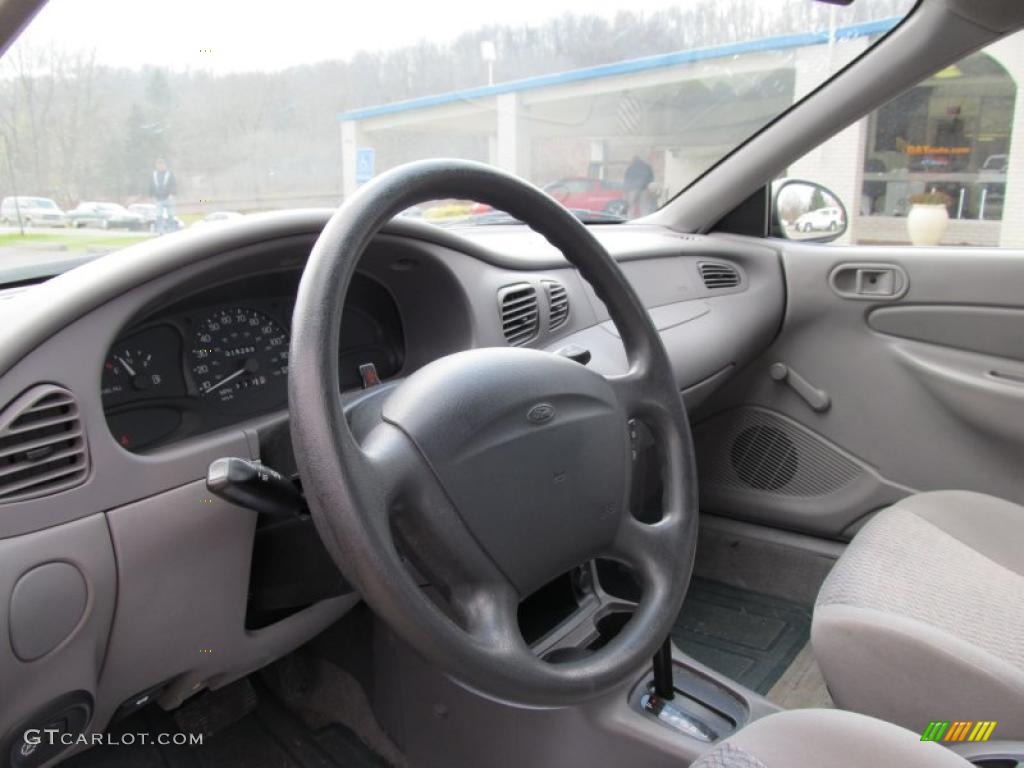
column 958, row 730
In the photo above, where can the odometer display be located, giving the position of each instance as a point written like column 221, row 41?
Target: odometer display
column 240, row 355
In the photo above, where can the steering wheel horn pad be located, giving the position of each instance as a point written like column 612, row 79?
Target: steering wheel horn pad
column 492, row 470
column 530, row 448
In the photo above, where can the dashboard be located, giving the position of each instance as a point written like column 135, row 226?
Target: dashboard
column 221, row 356
column 157, row 360
column 210, row 352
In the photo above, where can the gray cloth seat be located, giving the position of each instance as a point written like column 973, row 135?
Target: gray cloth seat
column 922, row 618
column 826, row 738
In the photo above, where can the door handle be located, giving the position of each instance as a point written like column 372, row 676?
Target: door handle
column 818, row 399
column 869, row 281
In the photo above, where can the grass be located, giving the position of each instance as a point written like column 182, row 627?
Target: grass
column 71, row 241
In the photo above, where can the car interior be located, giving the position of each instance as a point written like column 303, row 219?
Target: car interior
column 339, row 487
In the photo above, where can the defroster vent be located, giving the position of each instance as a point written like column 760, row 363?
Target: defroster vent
column 42, row 444
column 520, row 318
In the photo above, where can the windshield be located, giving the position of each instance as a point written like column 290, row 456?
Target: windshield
column 234, row 108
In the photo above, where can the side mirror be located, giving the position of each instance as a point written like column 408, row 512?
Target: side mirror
column 805, row 211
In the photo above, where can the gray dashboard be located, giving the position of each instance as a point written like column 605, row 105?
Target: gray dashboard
column 166, row 567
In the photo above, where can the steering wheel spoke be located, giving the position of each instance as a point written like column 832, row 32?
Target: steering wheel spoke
column 488, row 611
column 629, row 390
column 432, row 535
column 648, row 549
column 641, row 396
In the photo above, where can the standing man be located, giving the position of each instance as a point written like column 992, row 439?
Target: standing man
column 637, row 179
column 162, row 188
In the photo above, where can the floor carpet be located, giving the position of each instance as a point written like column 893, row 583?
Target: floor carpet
column 802, row 686
column 268, row 737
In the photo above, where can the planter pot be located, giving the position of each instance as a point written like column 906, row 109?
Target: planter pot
column 926, row 224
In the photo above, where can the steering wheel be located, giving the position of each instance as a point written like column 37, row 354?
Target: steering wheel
column 493, row 470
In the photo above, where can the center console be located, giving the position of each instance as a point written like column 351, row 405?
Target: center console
column 436, row 721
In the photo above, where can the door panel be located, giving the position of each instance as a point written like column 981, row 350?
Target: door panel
column 924, row 385
column 992, row 330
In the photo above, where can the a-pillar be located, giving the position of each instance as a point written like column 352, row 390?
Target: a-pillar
column 838, row 163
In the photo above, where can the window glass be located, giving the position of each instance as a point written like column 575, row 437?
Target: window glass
column 945, row 148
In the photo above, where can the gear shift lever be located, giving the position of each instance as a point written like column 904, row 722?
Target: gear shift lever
column 659, row 704
column 664, row 684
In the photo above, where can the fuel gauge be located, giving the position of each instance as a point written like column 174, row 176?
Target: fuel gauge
column 141, row 367
column 130, row 369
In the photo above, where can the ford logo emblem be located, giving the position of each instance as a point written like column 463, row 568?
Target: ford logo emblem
column 541, row 413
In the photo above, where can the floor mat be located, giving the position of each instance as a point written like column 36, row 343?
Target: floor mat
column 269, row 737
column 748, row 637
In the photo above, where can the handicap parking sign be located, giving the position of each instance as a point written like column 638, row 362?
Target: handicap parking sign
column 365, row 158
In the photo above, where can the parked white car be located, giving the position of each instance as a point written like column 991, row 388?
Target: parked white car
column 33, row 212
column 820, row 220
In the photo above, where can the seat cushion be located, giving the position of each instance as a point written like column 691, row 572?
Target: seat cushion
column 815, row 738
column 922, row 618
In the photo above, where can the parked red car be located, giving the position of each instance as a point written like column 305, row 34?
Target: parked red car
column 580, row 194
column 584, row 194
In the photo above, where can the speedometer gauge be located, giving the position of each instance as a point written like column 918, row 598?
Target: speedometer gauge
column 240, row 355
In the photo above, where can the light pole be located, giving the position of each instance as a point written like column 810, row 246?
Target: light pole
column 489, row 53
column 14, row 186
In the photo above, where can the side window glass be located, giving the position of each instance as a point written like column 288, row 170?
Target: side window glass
column 937, row 165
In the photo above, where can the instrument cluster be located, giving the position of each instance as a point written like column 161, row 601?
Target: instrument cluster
column 203, row 366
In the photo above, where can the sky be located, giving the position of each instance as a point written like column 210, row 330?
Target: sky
column 240, row 35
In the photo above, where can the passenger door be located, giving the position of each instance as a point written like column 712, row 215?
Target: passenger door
column 899, row 367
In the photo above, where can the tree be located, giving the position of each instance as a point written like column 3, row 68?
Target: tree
column 817, row 200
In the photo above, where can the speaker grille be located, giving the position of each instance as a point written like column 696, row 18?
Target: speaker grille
column 764, row 458
column 756, row 450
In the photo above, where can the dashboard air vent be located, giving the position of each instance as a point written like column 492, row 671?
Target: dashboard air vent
column 520, row 318
column 558, row 304
column 717, row 276
column 42, row 444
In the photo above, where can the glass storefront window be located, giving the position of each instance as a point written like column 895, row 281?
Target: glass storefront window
column 947, row 141
column 951, row 133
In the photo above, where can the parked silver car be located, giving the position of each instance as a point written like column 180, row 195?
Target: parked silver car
column 105, row 216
